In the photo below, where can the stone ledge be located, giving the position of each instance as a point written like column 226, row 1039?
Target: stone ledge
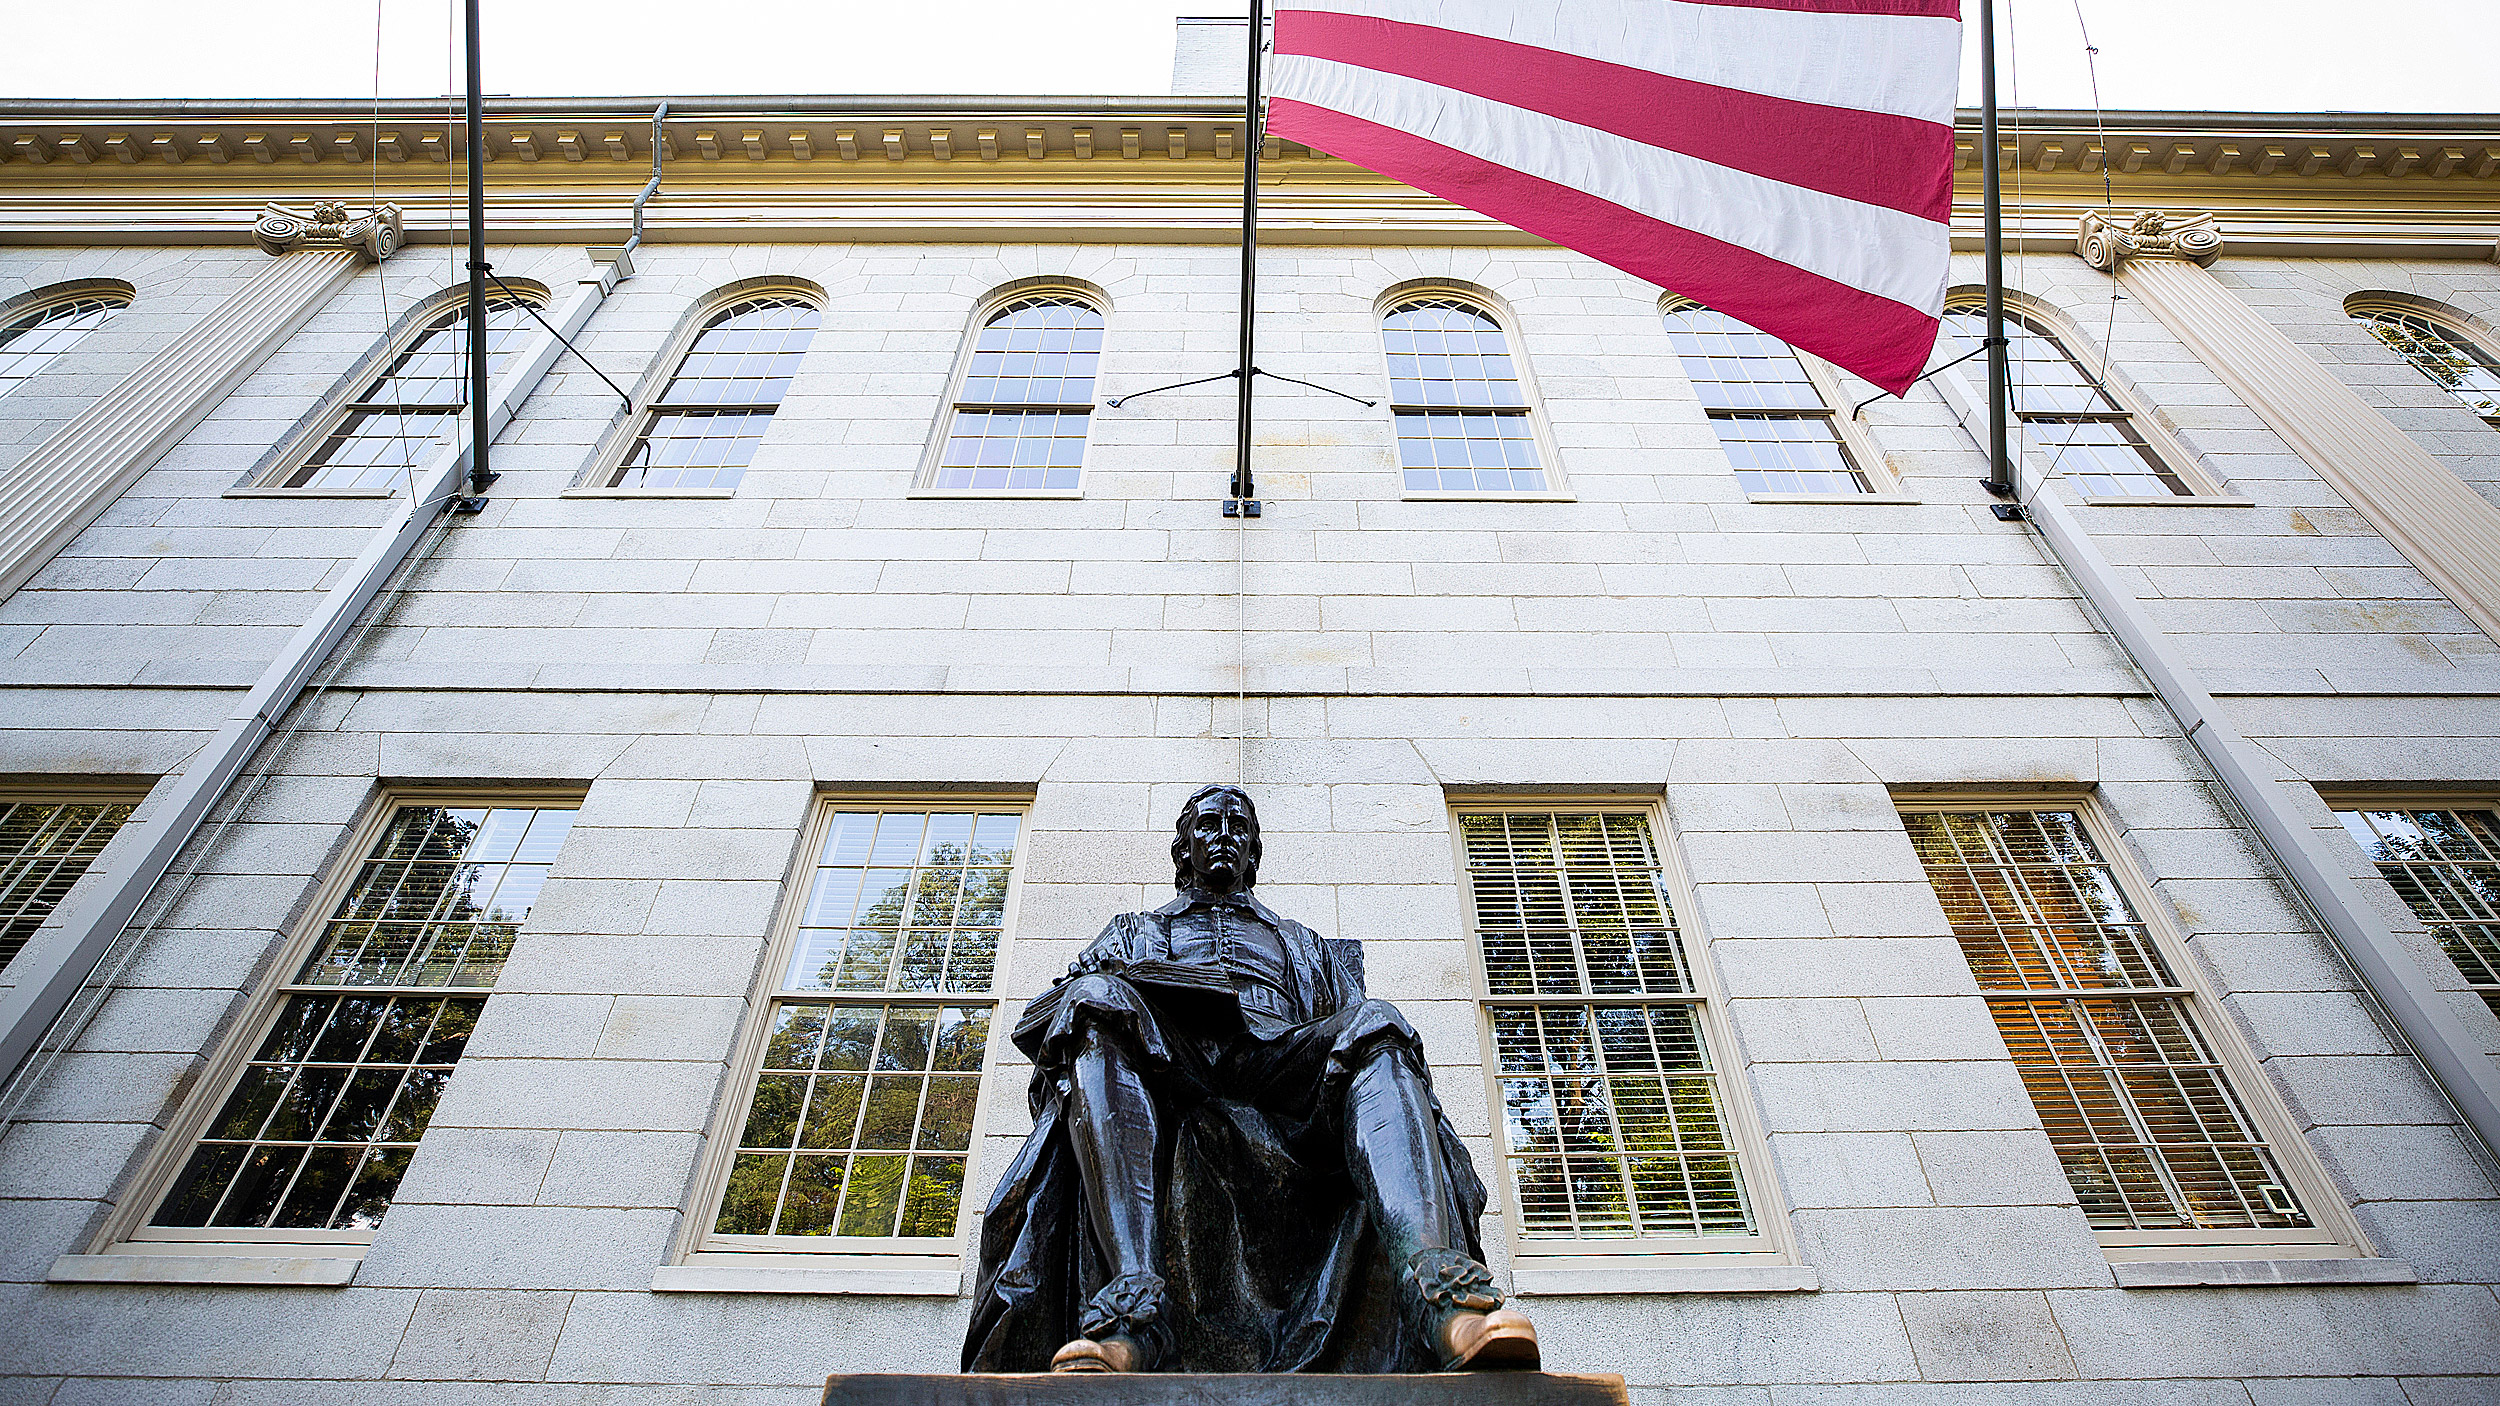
column 305, row 1271
column 1226, row 1389
column 1653, row 1278
column 2194, row 1274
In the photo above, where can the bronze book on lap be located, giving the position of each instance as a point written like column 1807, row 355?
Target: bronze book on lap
column 1192, row 980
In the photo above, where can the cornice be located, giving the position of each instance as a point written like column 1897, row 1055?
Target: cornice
column 1148, row 168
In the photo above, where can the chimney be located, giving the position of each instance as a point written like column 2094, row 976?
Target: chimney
column 1207, row 58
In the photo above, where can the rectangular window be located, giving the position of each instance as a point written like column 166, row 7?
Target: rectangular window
column 46, row 844
column 856, row 1125
column 2140, row 1099
column 1617, row 1129
column 2445, row 864
column 312, row 1132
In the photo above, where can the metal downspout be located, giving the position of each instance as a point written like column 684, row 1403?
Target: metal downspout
column 65, row 952
column 2464, row 1074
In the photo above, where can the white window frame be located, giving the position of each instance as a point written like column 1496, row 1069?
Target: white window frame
column 2334, row 1233
column 2341, row 799
column 924, row 482
column 75, row 791
column 703, row 1260
column 53, row 295
column 2135, row 412
column 267, row 477
column 1883, row 482
column 629, row 423
column 1557, row 487
column 126, row 1231
column 2456, row 323
column 1556, row 1265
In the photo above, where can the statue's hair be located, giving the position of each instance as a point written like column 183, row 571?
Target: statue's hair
column 1189, row 812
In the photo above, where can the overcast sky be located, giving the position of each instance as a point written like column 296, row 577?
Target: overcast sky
column 2256, row 55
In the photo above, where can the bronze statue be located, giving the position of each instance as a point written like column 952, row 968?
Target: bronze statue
column 1237, row 1163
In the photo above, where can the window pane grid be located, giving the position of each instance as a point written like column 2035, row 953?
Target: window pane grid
column 2136, row 1103
column 1788, row 454
column 2455, row 364
column 703, row 428
column 1734, row 367
column 2084, row 432
column 1469, row 451
column 413, row 405
column 861, row 1118
column 2445, row 865
column 1611, row 1107
column 320, row 1125
column 1462, row 415
column 44, row 848
column 1014, row 449
column 860, row 1123
column 28, row 343
column 1040, row 354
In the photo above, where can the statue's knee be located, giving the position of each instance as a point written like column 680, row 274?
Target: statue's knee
column 1095, row 989
column 1374, row 1011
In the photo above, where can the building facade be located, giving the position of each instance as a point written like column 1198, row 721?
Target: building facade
column 586, row 926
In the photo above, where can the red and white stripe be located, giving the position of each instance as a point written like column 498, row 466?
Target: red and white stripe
column 1786, row 162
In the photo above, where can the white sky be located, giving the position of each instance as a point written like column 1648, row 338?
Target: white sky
column 2255, row 55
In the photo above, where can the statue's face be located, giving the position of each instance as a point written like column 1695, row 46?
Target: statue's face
column 1220, row 836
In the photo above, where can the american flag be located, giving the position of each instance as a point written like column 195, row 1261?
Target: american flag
column 1786, row 162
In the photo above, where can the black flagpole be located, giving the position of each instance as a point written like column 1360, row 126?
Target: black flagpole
column 2000, row 479
column 481, row 416
column 1244, row 501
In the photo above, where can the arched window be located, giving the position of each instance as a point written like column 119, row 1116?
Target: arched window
column 1463, row 416
column 2442, row 353
column 414, row 405
column 702, row 428
column 2075, row 422
column 1025, row 398
column 37, row 334
column 1771, row 416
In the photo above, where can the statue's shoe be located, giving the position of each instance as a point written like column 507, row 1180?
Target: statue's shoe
column 1113, row 1354
column 1503, row 1340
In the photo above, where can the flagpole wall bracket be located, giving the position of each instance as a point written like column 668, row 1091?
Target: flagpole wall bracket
column 1241, row 507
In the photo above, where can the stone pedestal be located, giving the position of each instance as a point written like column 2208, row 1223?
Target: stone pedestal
column 1232, row 1389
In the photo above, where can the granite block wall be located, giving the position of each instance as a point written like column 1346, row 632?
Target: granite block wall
column 1776, row 676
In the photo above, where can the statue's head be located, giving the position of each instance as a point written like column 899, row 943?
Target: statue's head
column 1215, row 842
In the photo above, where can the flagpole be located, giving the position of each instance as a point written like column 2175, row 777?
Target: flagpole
column 1244, row 501
column 480, row 428
column 2000, row 479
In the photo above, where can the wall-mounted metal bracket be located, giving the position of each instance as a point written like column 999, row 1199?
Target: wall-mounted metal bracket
column 2007, row 512
column 1241, row 507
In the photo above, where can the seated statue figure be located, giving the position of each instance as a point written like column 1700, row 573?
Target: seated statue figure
column 1237, row 1162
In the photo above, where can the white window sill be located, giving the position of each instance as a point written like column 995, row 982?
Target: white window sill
column 1059, row 493
column 649, row 493
column 1662, row 1275
column 2243, row 1274
column 319, row 1271
column 895, row 1275
column 310, row 493
column 2174, row 500
column 1889, row 498
column 1440, row 496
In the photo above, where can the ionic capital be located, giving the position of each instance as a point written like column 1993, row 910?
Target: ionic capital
column 375, row 233
column 2106, row 244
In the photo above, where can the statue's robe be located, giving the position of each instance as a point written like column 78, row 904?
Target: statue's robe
column 1272, row 1261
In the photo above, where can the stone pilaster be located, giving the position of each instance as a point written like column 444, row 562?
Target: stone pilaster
column 69, row 480
column 2446, row 529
